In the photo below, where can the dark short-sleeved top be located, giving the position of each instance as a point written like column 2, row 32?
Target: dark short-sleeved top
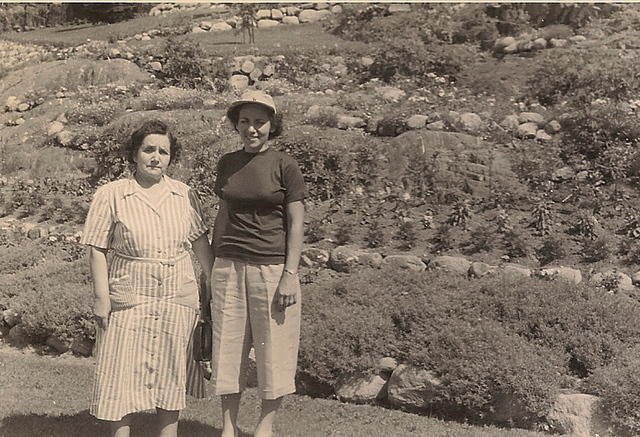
column 256, row 188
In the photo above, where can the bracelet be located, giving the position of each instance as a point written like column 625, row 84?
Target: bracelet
column 290, row 272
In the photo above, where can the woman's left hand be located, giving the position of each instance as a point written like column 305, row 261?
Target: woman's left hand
column 287, row 292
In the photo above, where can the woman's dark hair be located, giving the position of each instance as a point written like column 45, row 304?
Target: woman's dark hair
column 152, row 127
column 275, row 119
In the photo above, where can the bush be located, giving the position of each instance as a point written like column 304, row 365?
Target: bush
column 20, row 257
column 552, row 249
column 596, row 250
column 186, row 66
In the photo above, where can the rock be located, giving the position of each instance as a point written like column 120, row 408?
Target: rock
column 557, row 43
column 515, row 271
column 541, row 135
column 290, row 20
column 386, row 366
column 348, row 122
column 317, row 111
column 471, row 121
column 17, row 336
column 239, row 82
column 11, row 318
column 455, row 264
column 511, row 48
column 527, row 130
column 370, row 259
column 277, row 14
column 266, row 23
column 436, row 125
column 408, row 262
column 343, row 259
column 263, row 13
column 58, row 344
column 247, row 66
column 625, row 282
column 390, row 94
column 576, row 414
column 417, row 121
column 317, row 257
column 531, row 117
column 563, row 273
column 565, row 173
column 23, row 107
column 553, row 127
column 366, row 61
column 197, row 29
column 361, row 389
column 292, row 11
column 411, row 387
column 220, row 27
column 480, row 269
column 635, row 278
column 577, row 38
column 322, row 5
column 539, row 44
column 255, row 74
column 395, row 8
column 54, row 127
column 502, row 43
column 525, row 46
column 146, row 38
column 11, row 105
column 373, row 123
column 82, row 346
column 312, row 16
column 19, row 121
column 510, row 123
column 336, row 9
column 65, row 138
column 268, row 70
column 155, row 66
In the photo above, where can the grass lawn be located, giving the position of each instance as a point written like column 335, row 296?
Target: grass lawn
column 48, row 397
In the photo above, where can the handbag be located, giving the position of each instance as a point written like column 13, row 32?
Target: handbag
column 203, row 334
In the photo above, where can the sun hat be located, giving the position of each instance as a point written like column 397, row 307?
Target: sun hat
column 253, row 96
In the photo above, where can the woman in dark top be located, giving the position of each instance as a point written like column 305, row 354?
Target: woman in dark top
column 257, row 243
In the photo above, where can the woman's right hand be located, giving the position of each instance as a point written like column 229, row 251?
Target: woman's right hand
column 101, row 311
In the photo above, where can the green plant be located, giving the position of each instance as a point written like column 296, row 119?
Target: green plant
column 542, row 221
column 552, row 249
column 585, row 226
column 344, row 232
column 443, row 239
column 632, row 225
column 502, row 221
column 460, row 214
column 314, row 231
column 516, row 245
column 406, row 235
column 596, row 250
column 482, row 239
column 375, row 236
column 186, row 65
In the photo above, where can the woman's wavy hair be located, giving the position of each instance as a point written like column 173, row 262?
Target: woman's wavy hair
column 152, row 127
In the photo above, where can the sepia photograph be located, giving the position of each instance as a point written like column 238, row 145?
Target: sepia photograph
column 322, row 219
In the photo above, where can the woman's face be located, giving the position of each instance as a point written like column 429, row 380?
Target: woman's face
column 153, row 156
column 254, row 126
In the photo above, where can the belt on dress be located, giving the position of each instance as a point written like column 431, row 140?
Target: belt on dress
column 164, row 261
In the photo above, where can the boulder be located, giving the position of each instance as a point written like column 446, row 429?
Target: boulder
column 349, row 122
column 312, row 16
column 455, row 264
column 263, row 13
column 239, row 82
column 266, row 23
column 343, row 259
column 531, row 117
column 635, row 278
column 539, row 43
column 247, row 66
column 57, row 344
column 292, row 11
column 471, row 122
column 370, row 259
column 436, row 125
column 577, row 38
column 336, row 9
column 206, row 25
column 511, row 48
column 510, row 123
column 480, row 269
column 82, row 346
column 553, row 127
column 395, row 8
column 563, row 273
column 390, row 94
column 557, row 43
column 541, row 135
column 361, row 389
column 276, row 14
column 565, row 173
column 411, row 387
column 502, row 43
column 408, row 262
column 417, row 121
column 155, row 66
column 17, row 336
column 527, row 130
column 386, row 366
column 314, row 257
column 11, row 318
column 11, row 105
column 366, row 61
column 576, row 414
column 220, row 27
column 54, row 127
column 625, row 282
column 290, row 20
column 321, row 6
column 514, row 271
column 195, row 29
column 23, row 107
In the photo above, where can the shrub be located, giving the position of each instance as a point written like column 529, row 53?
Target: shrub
column 20, row 257
column 516, row 245
column 596, row 250
column 186, row 66
column 406, row 235
column 552, row 249
column 443, row 239
column 482, row 239
column 344, row 232
column 375, row 236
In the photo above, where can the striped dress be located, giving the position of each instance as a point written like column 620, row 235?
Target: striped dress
column 144, row 356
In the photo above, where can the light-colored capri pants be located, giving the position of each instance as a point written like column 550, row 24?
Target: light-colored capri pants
column 245, row 313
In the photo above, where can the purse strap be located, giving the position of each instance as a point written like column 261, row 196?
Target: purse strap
column 204, row 290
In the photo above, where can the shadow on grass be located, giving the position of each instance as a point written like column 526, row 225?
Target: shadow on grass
column 83, row 425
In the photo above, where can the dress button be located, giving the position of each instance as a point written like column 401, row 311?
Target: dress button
column 149, row 386
column 159, row 281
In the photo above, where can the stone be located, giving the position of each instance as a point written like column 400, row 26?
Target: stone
column 65, row 138
column 390, row 94
column 412, row 387
column 542, row 135
column 155, row 66
column 577, row 38
column 515, row 271
column 366, row 61
column 114, row 53
column 292, row 11
column 511, row 48
column 531, row 117
column 276, row 14
column 539, row 43
column 239, row 82
column 553, row 127
column 263, row 13
column 386, row 366
column 58, row 344
column 395, row 8
column 348, row 122
column 19, row 121
column 321, row 6
column 343, row 259
column 527, row 130
column 455, row 264
column 417, row 121
column 266, row 23
column 635, row 278
column 625, row 282
column 525, row 46
column 408, row 262
column 54, row 127
column 565, row 173
column 317, row 111
column 317, row 257
column 372, row 124
column 576, row 414
column 247, row 66
column 557, row 43
column 197, row 29
column 361, row 389
column 290, row 20
column 563, row 273
column 480, row 269
column 82, row 346
column 312, row 16
column 510, row 123
column 471, row 121
column 336, row 9
column 11, row 318
column 17, row 336
column 370, row 259
column 502, row 43
column 146, row 38
column 23, row 107
column 436, row 125
column 220, row 27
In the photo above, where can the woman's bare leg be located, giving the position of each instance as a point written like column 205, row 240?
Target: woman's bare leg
column 121, row 428
column 167, row 422
column 230, row 408
column 268, row 413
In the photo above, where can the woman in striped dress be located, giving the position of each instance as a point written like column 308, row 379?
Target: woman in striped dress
column 146, row 297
